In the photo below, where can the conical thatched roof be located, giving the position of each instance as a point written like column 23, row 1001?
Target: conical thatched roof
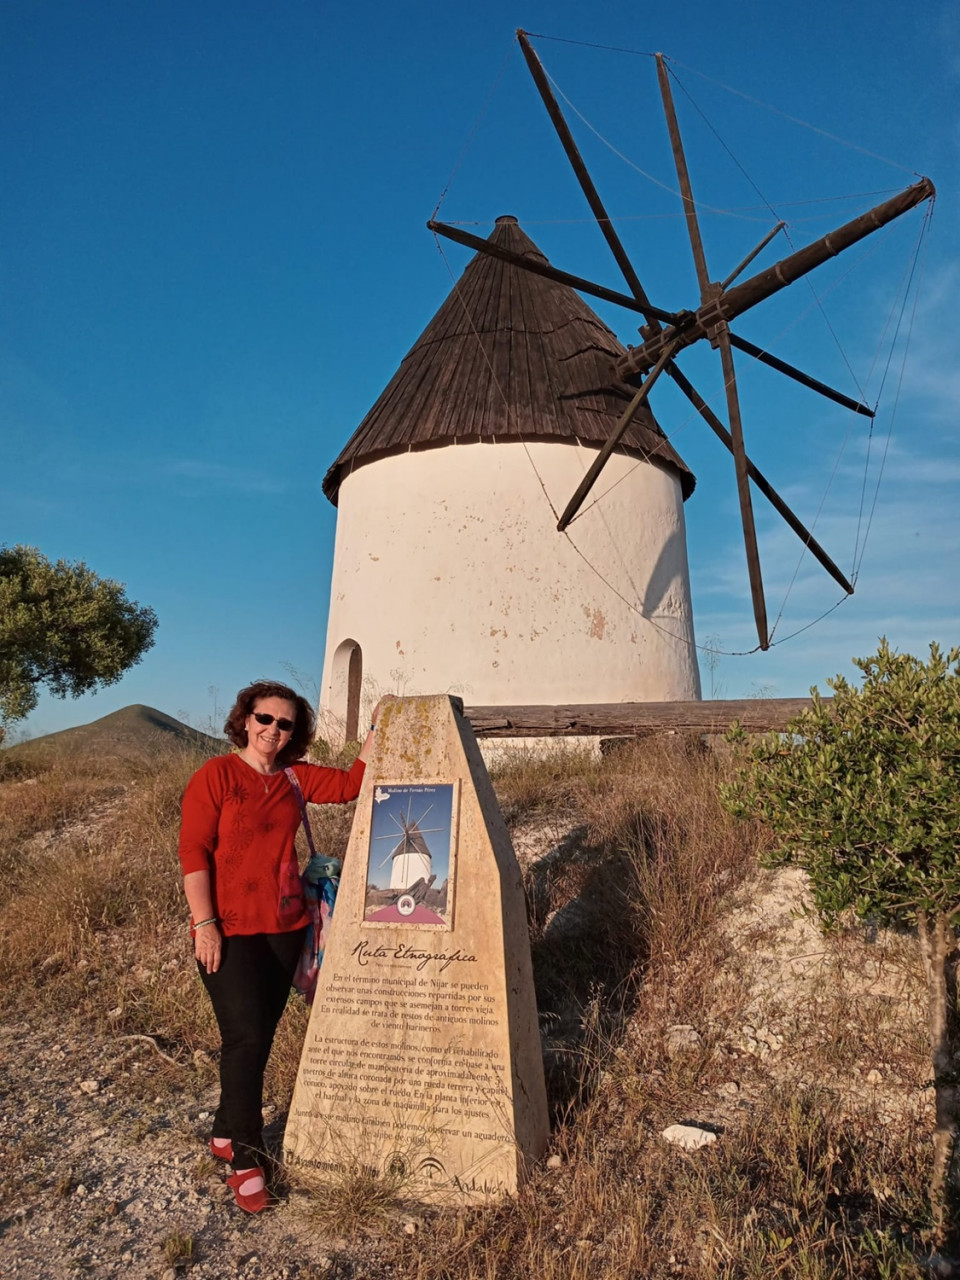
column 509, row 355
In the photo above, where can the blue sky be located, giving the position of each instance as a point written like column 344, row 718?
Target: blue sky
column 213, row 257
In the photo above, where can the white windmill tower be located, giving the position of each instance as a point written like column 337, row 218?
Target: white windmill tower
column 449, row 574
column 412, row 860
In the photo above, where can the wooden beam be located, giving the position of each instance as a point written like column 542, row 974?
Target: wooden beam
column 760, row 480
column 545, row 269
column 583, row 177
column 798, row 375
column 616, row 435
column 741, row 465
column 742, row 297
column 757, row 715
column 725, row 284
column 683, row 176
column 721, row 338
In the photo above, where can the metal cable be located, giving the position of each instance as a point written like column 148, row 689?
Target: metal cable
column 468, row 141
column 903, row 365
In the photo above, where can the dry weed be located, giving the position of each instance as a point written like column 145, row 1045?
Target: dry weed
column 358, row 1200
column 800, row 1182
column 800, row 1189
column 177, row 1249
column 97, row 921
column 21, row 1169
column 625, row 913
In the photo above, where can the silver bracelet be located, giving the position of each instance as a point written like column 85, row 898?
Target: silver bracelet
column 201, row 923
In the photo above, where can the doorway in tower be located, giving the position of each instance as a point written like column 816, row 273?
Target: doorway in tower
column 346, row 682
column 411, row 856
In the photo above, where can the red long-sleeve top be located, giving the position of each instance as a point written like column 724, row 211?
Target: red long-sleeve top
column 240, row 825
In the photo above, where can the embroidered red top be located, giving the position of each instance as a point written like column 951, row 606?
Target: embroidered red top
column 240, row 825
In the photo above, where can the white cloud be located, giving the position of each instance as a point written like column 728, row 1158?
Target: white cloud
column 222, row 476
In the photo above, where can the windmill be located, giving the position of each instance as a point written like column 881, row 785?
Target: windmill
column 667, row 333
column 411, row 857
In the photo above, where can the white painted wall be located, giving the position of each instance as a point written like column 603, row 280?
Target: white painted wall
column 451, row 577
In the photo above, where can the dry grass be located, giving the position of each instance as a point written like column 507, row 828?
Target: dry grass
column 177, row 1249
column 626, row 901
column 629, row 891
column 19, row 1162
column 94, row 913
column 798, row 1191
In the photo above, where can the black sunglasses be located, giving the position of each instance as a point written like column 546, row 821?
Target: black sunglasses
column 283, row 724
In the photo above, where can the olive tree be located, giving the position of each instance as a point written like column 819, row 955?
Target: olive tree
column 864, row 795
column 64, row 628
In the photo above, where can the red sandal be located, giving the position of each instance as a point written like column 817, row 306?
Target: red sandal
column 250, row 1189
column 222, row 1149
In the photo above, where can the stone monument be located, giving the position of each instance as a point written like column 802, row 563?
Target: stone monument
column 422, row 1058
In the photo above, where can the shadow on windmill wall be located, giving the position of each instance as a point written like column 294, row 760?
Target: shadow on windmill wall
column 663, row 576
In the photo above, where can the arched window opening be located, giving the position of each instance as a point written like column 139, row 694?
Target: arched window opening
column 346, row 685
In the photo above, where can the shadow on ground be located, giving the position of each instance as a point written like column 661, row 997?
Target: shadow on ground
column 588, row 951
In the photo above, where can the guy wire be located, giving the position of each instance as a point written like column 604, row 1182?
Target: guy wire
column 804, row 124
column 586, row 44
column 896, row 402
column 906, row 286
column 739, row 93
column 676, row 217
column 664, row 186
column 468, row 141
column 703, row 116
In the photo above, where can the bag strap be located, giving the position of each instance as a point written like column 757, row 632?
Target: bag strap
column 304, row 818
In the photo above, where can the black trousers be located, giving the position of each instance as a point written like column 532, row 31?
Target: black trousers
column 249, row 993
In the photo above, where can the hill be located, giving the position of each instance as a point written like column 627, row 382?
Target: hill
column 131, row 730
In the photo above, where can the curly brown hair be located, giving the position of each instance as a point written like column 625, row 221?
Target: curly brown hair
column 304, row 720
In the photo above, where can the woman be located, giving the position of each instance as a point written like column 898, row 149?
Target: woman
column 239, row 822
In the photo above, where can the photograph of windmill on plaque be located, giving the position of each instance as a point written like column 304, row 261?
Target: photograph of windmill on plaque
column 411, row 855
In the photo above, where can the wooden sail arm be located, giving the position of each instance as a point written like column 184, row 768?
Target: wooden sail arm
column 583, row 177
column 798, row 375
column 742, row 467
column 676, row 318
column 761, row 482
column 600, row 461
column 673, row 318
column 721, row 337
column 742, row 297
column 539, row 268
column 683, row 177
column 742, row 266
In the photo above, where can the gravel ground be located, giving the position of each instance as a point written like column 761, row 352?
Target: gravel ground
column 104, row 1171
